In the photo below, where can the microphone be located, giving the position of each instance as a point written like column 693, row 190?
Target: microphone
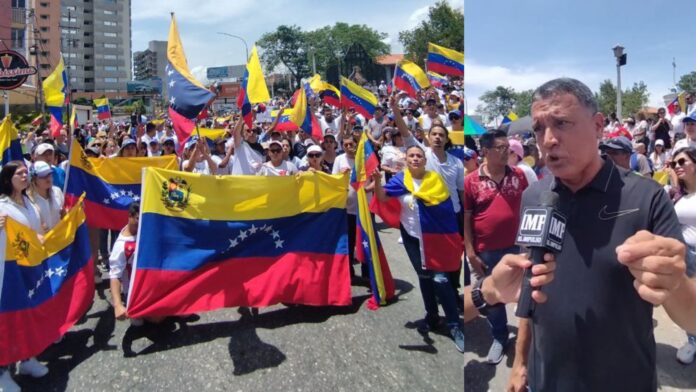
column 541, row 230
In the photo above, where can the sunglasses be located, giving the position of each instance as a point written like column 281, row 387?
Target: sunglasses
column 681, row 162
column 275, row 150
column 314, row 155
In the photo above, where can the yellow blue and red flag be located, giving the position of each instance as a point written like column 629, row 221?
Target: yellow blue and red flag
column 253, row 89
column 284, row 123
column 358, row 98
column 187, row 96
column 103, row 111
column 409, row 77
column 678, row 101
column 437, row 80
column 55, row 89
column 44, row 288
column 368, row 246
column 440, row 243
column 111, row 185
column 10, row 145
column 302, row 116
column 511, row 117
column 445, row 61
column 207, row 242
column 327, row 91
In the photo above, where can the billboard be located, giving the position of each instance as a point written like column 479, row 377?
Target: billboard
column 228, row 90
column 151, row 86
column 14, row 70
column 218, row 72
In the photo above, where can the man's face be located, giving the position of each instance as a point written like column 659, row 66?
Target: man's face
column 498, row 154
column 690, row 129
column 437, row 137
column 48, row 157
column 328, row 115
column 349, row 146
column 660, row 113
column 567, row 135
column 431, row 108
column 620, row 158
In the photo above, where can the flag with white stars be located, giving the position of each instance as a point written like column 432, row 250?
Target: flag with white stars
column 44, row 287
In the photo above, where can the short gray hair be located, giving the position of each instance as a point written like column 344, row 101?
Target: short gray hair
column 567, row 86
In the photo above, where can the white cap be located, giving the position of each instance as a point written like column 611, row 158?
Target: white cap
column 660, row 142
column 43, row 147
column 41, row 169
column 314, row 148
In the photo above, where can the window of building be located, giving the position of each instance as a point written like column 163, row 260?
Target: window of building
column 43, row 16
column 88, row 34
column 110, row 57
column 44, row 41
column 88, row 11
column 112, row 46
column 110, row 34
column 110, row 80
column 19, row 3
column 70, row 55
column 89, row 68
column 89, row 80
column 66, row 19
column 110, row 68
column 107, row 12
column 44, row 4
column 68, row 31
column 88, row 22
column 70, row 8
column 17, row 38
column 88, row 57
column 73, row 80
column 87, row 45
column 110, row 90
column 109, row 23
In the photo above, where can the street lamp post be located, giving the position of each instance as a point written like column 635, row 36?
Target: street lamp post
column 246, row 47
column 620, row 60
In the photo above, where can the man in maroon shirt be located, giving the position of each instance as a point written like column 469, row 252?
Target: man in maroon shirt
column 492, row 199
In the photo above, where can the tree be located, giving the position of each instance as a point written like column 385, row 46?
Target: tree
column 330, row 43
column 443, row 26
column 287, row 46
column 632, row 99
column 496, row 103
column 523, row 103
column 687, row 82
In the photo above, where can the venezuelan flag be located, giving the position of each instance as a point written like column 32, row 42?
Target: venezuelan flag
column 440, row 243
column 111, row 185
column 358, row 98
column 206, row 242
column 44, row 288
column 445, row 61
column 55, row 88
column 284, row 123
column 369, row 248
column 187, row 96
column 437, row 80
column 10, row 145
column 678, row 101
column 327, row 91
column 410, row 78
column 253, row 89
column 512, row 116
column 103, row 111
column 302, row 116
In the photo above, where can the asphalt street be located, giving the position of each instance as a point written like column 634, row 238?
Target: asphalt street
column 482, row 377
column 280, row 349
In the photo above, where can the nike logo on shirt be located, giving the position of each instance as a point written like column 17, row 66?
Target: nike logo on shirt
column 606, row 215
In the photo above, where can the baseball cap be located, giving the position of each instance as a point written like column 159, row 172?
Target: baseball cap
column 469, row 154
column 457, row 113
column 516, row 147
column 660, row 142
column 620, row 143
column 191, row 142
column 691, row 118
column 127, row 142
column 41, row 169
column 43, row 147
column 314, row 148
column 272, row 142
column 168, row 140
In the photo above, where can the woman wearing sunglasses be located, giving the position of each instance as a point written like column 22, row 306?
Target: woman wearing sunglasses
column 315, row 163
column 683, row 192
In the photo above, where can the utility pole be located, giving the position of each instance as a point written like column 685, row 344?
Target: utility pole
column 674, row 72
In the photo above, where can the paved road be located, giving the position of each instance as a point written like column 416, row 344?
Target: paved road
column 481, row 377
column 288, row 349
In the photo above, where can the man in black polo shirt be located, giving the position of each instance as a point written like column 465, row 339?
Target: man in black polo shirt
column 622, row 254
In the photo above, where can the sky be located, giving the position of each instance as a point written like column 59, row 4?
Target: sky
column 199, row 21
column 522, row 44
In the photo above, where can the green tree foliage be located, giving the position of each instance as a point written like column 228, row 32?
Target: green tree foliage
column 523, row 103
column 496, row 103
column 330, row 43
column 687, row 82
column 632, row 99
column 287, row 46
column 443, row 26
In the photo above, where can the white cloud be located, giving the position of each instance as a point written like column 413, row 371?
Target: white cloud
column 200, row 11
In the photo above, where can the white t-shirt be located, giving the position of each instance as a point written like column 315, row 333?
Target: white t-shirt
column 332, row 124
column 677, row 124
column 284, row 169
column 49, row 209
column 394, row 157
column 202, row 167
column 409, row 211
column 426, row 122
column 223, row 170
column 684, row 143
column 686, row 213
column 247, row 161
column 375, row 127
column 528, row 172
column 343, row 162
column 121, row 260
column 26, row 215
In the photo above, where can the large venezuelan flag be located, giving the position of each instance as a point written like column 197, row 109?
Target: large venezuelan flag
column 358, row 98
column 302, row 116
column 284, row 123
column 253, row 89
column 445, row 61
column 440, row 243
column 55, row 89
column 409, row 77
column 111, row 185
column 327, row 92
column 369, row 248
column 436, row 80
column 678, row 101
column 10, row 146
column 187, row 96
column 103, row 111
column 44, row 289
column 205, row 243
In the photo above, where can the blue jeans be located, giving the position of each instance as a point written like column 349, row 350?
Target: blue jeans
column 691, row 272
column 497, row 318
column 434, row 286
